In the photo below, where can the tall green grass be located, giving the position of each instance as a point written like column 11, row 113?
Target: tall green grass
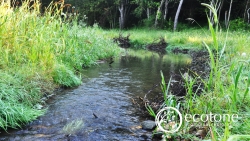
column 17, row 98
column 226, row 88
column 39, row 52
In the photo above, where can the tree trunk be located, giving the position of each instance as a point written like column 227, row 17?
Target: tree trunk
column 122, row 16
column 177, row 15
column 229, row 13
column 226, row 18
column 166, row 10
column 123, row 8
column 148, row 13
column 158, row 13
column 246, row 13
column 248, row 16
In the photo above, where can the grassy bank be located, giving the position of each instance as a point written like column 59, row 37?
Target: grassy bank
column 38, row 54
column 237, row 41
column 226, row 88
column 225, row 92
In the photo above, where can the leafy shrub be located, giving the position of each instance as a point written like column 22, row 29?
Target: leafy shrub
column 238, row 24
column 148, row 22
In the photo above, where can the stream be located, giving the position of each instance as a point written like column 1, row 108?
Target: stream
column 102, row 108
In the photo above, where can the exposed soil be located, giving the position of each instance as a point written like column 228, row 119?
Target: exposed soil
column 122, row 41
column 159, row 47
column 199, row 67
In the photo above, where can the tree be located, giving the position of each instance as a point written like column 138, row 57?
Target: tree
column 158, row 13
column 177, row 15
column 246, row 12
column 248, row 16
column 108, row 13
column 123, row 9
column 166, row 10
column 227, row 18
column 143, row 6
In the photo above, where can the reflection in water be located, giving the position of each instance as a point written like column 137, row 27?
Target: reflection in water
column 145, row 67
column 102, row 104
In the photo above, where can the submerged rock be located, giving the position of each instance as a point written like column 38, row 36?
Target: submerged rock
column 148, row 125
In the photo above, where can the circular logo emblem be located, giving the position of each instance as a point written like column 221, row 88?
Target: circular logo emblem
column 169, row 120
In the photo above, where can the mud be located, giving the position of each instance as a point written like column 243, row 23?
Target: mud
column 159, row 47
column 122, row 41
column 199, row 69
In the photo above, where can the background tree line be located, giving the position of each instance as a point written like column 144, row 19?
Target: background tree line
column 158, row 13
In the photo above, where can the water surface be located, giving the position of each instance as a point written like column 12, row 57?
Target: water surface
column 102, row 107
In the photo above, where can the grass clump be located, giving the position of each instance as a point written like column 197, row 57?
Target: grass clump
column 66, row 77
column 73, row 127
column 39, row 52
column 17, row 101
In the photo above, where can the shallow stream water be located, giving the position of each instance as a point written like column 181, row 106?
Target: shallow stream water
column 102, row 108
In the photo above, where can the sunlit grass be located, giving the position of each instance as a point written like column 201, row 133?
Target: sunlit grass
column 190, row 38
column 39, row 52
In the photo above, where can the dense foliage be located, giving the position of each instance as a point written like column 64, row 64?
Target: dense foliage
column 107, row 13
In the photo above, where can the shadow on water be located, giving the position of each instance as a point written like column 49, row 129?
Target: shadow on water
column 102, row 108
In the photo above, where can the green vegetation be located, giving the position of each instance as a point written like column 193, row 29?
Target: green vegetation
column 158, row 14
column 236, row 41
column 38, row 54
column 226, row 89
